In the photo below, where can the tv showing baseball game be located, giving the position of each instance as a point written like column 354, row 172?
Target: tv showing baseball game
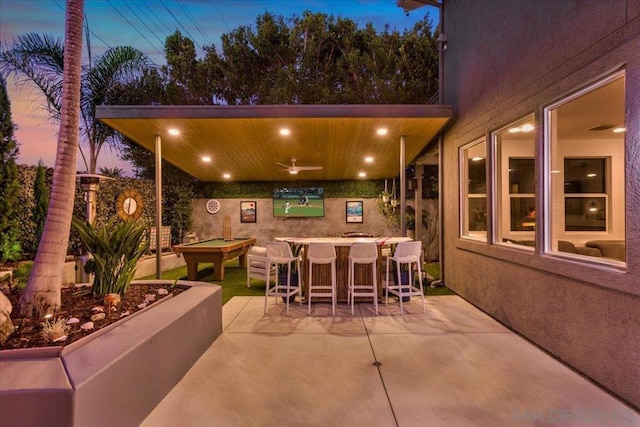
column 303, row 202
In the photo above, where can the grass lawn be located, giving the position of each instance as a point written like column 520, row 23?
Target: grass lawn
column 234, row 283
column 235, row 280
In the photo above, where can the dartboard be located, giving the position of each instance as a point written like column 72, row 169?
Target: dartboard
column 213, row 206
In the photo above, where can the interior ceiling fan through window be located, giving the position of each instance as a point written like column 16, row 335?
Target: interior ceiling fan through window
column 293, row 169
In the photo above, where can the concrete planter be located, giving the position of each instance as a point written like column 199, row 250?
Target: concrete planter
column 117, row 375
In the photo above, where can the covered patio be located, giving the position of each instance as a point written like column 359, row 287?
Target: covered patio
column 453, row 366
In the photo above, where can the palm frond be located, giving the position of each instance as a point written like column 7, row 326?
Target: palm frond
column 37, row 59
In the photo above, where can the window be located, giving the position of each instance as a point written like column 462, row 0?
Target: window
column 585, row 139
column 514, row 177
column 585, row 196
column 473, row 200
column 521, row 194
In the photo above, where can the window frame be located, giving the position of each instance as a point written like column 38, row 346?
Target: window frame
column 498, row 216
column 549, row 123
column 465, row 196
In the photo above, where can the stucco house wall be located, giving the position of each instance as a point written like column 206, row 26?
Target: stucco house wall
column 506, row 59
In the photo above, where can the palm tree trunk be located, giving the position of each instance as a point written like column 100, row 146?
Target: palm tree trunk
column 42, row 294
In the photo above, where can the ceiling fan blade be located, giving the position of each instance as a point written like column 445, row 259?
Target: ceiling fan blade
column 309, row 168
column 283, row 165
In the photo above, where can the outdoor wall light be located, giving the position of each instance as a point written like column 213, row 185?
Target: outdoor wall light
column 441, row 42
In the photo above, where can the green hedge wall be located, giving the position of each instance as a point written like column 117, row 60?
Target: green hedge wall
column 332, row 189
column 176, row 207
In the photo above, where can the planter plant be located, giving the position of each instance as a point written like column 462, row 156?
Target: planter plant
column 116, row 248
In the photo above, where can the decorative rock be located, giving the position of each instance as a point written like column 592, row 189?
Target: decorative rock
column 142, row 305
column 6, row 326
column 162, row 291
column 98, row 316
column 5, row 306
column 87, row 326
column 6, row 329
column 73, row 321
column 97, row 310
column 60, row 339
column 150, row 297
column 126, row 313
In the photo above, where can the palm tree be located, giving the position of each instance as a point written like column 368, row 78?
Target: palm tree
column 39, row 59
column 42, row 294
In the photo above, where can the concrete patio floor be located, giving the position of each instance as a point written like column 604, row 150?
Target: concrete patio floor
column 453, row 366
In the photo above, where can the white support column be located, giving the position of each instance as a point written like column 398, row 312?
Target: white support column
column 158, row 207
column 418, row 200
column 403, row 187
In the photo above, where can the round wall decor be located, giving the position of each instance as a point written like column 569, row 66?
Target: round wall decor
column 129, row 204
column 213, row 206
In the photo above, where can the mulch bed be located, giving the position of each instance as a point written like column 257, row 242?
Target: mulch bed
column 81, row 304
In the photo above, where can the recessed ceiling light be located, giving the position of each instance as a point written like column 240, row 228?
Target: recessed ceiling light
column 226, row 175
column 382, row 131
column 368, row 159
column 206, row 159
column 285, row 131
column 619, row 130
column 174, row 132
column 524, row 128
column 362, row 174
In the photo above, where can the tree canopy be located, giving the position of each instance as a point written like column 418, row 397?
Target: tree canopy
column 9, row 185
column 309, row 59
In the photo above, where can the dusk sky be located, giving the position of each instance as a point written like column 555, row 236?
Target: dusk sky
column 144, row 24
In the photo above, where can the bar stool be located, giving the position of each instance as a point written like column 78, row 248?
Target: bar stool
column 322, row 253
column 279, row 254
column 363, row 254
column 407, row 253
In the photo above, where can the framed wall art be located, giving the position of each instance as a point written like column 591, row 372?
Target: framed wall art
column 248, row 210
column 354, row 211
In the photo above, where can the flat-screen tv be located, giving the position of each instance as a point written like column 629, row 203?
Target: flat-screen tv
column 298, row 202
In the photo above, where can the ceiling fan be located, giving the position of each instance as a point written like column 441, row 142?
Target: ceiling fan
column 293, row 169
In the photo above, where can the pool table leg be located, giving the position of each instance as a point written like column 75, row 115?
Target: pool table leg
column 218, row 267
column 242, row 260
column 192, row 270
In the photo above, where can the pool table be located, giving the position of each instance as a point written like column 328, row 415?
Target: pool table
column 217, row 251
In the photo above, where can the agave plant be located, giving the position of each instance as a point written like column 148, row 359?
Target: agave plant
column 116, row 248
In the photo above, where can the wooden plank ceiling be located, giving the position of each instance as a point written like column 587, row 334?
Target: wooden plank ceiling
column 245, row 141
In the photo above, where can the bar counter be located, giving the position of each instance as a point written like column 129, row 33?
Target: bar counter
column 322, row 273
